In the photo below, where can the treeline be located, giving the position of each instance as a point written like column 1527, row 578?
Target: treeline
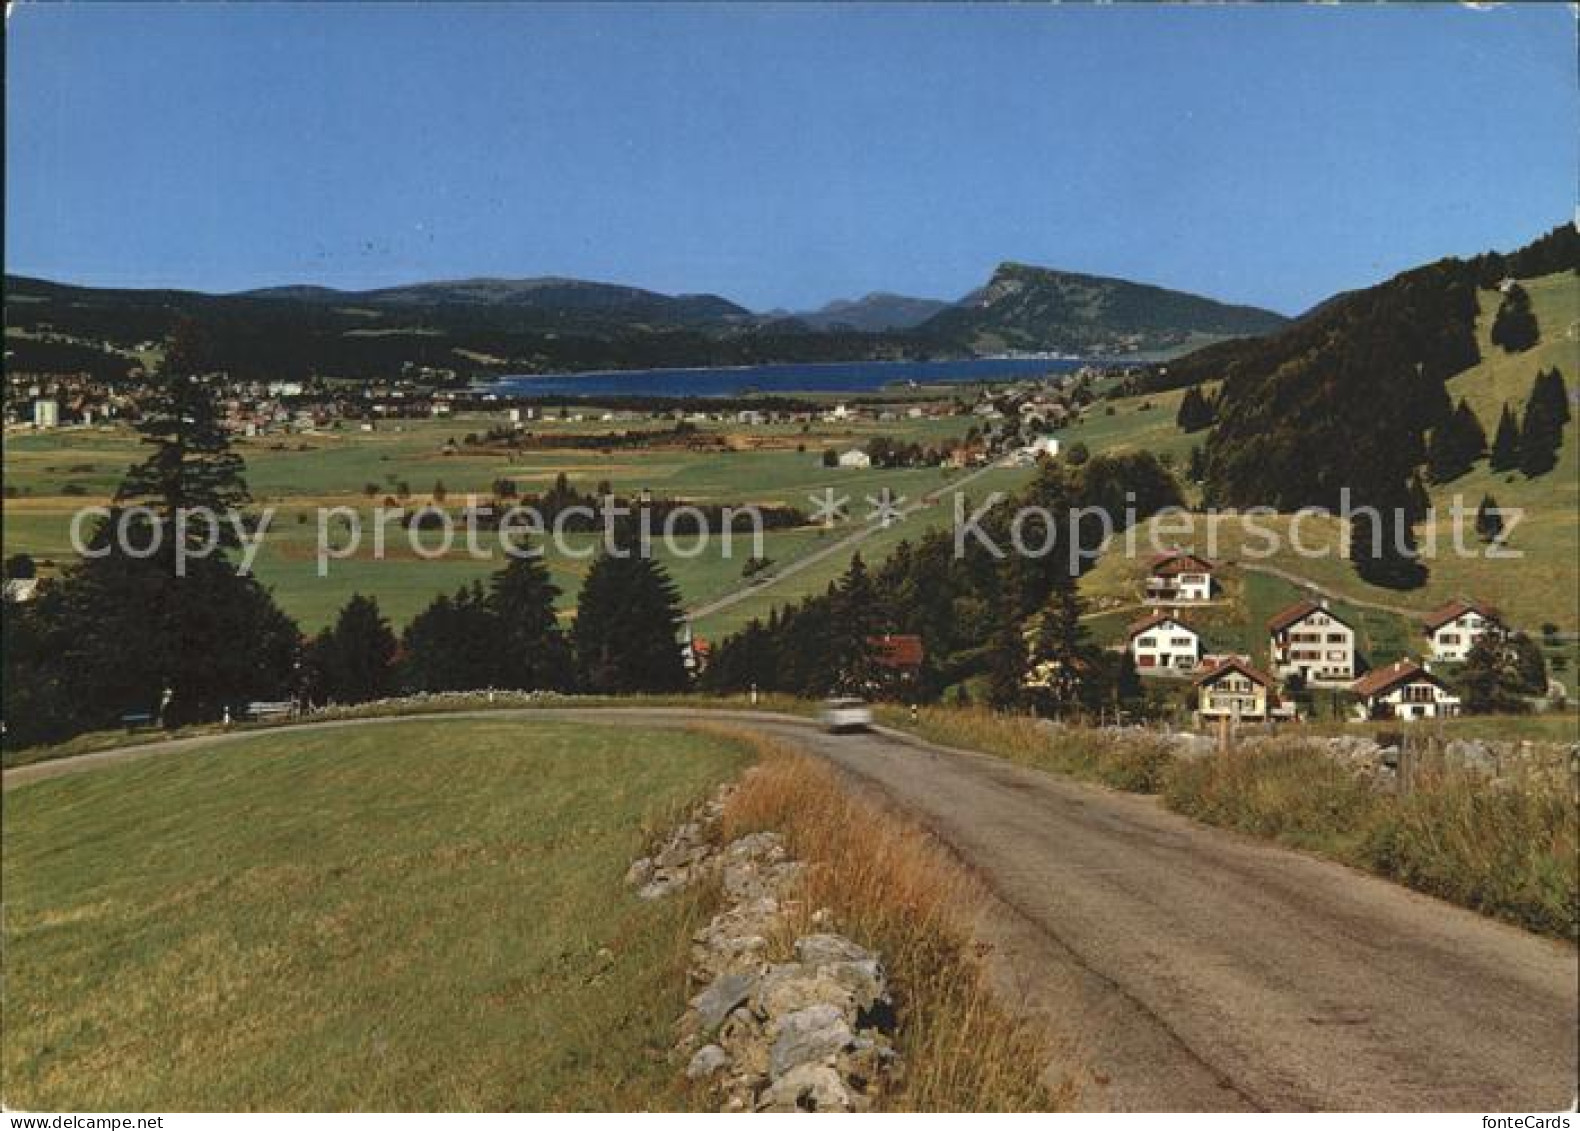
column 149, row 624
column 1350, row 394
column 1012, row 618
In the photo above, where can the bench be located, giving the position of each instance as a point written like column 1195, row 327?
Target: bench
column 131, row 720
column 261, row 711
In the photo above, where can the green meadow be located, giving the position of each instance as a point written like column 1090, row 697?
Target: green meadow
column 418, row 915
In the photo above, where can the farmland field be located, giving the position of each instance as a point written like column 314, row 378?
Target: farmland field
column 51, row 475
column 419, row 915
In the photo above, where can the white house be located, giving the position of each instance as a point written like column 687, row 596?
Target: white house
column 1162, row 642
column 855, row 458
column 1404, row 690
column 1179, row 577
column 1310, row 640
column 1452, row 631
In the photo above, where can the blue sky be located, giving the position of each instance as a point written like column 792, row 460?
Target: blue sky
column 781, row 155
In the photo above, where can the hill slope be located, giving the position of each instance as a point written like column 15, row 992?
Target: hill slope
column 877, row 311
column 1345, row 397
column 1035, row 308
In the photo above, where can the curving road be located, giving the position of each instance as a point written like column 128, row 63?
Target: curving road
column 1193, row 968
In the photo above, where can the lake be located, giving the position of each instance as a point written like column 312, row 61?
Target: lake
column 841, row 377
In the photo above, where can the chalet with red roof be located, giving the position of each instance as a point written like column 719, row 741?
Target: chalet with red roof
column 1405, row 690
column 1162, row 642
column 1453, row 629
column 1309, row 639
column 1179, row 577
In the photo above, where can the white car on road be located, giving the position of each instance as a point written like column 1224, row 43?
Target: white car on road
column 846, row 714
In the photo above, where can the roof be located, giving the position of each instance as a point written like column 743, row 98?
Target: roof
column 897, row 651
column 1155, row 618
column 1213, row 670
column 1383, row 680
column 1179, row 562
column 1457, row 608
column 1299, row 611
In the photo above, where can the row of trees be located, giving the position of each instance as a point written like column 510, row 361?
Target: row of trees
column 1013, row 619
column 149, row 623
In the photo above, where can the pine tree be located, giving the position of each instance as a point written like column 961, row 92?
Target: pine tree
column 1491, row 681
column 1195, row 411
column 1506, row 444
column 1541, row 430
column 1550, row 389
column 1489, row 523
column 625, row 638
column 1514, row 326
column 455, row 644
column 354, row 661
column 536, row 655
column 1382, row 546
column 856, row 622
column 178, row 631
column 1456, row 445
column 1060, row 670
column 1196, row 466
column 192, row 468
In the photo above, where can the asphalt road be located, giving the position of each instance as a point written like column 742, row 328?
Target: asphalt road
column 1193, row 968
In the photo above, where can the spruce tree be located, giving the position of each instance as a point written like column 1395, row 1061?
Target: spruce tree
column 455, row 644
column 626, row 635
column 1514, row 326
column 1489, row 523
column 855, row 612
column 1195, row 411
column 1382, row 546
column 1506, row 443
column 354, row 661
column 1060, row 670
column 1550, row 389
column 1541, row 431
column 1456, row 445
column 535, row 655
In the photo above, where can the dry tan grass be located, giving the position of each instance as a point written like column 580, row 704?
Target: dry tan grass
column 893, row 888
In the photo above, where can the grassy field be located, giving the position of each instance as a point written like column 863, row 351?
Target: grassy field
column 56, row 473
column 420, row 915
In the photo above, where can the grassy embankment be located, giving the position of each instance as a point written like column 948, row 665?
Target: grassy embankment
column 432, row 915
column 893, row 888
column 1511, row 850
column 444, row 704
column 422, row 916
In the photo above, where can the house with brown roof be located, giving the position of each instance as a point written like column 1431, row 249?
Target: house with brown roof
column 1178, row 578
column 1162, row 642
column 1405, row 690
column 1310, row 639
column 1453, row 629
column 1230, row 688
